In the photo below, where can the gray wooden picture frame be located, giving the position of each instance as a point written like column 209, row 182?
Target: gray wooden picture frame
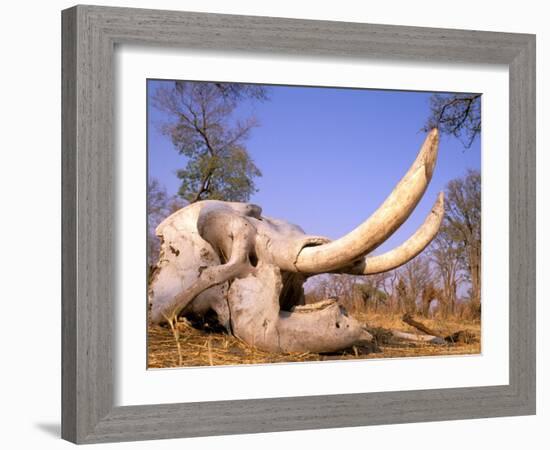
column 90, row 34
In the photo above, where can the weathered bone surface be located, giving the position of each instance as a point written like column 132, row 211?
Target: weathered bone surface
column 412, row 247
column 250, row 269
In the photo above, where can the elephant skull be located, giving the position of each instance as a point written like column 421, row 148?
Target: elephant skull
column 250, row 269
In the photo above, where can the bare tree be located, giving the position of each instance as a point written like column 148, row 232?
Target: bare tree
column 382, row 285
column 390, row 288
column 462, row 223
column 416, row 276
column 429, row 294
column 446, row 257
column 402, row 293
column 458, row 115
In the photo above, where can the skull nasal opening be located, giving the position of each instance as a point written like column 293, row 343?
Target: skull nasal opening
column 253, row 259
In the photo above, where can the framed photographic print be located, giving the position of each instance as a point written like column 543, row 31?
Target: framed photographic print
column 230, row 160
column 264, row 206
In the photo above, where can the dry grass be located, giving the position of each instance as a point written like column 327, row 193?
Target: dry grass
column 201, row 347
column 408, row 349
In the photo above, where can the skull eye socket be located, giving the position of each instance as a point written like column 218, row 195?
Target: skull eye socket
column 253, row 259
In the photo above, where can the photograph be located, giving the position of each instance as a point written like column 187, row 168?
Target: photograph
column 291, row 224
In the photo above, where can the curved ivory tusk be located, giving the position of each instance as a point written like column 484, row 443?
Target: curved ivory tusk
column 379, row 226
column 406, row 251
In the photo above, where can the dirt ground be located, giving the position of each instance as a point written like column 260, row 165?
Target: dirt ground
column 212, row 347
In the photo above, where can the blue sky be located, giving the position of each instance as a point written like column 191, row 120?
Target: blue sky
column 330, row 156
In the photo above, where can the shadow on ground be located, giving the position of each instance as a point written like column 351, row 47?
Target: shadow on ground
column 53, row 429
